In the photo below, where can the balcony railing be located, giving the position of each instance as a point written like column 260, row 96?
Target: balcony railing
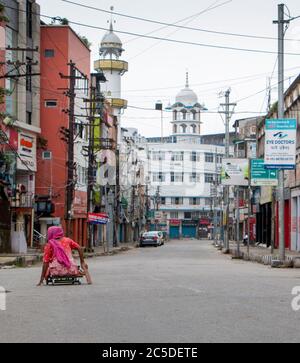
column 22, row 200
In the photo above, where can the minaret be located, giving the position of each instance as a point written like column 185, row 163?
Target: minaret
column 186, row 121
column 113, row 68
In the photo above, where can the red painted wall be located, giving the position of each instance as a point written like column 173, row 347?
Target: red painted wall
column 67, row 46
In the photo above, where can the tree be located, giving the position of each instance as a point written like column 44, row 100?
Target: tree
column 85, row 41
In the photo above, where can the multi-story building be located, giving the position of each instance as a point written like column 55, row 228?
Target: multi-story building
column 181, row 172
column 21, row 120
column 245, row 148
column 270, row 231
column 60, row 45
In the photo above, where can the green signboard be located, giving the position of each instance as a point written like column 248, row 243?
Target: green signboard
column 260, row 176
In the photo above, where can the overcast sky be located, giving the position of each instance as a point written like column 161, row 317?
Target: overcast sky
column 157, row 68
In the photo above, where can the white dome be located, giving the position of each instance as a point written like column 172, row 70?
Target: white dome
column 111, row 39
column 187, row 97
column 111, row 44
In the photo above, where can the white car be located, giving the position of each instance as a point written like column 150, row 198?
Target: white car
column 152, row 239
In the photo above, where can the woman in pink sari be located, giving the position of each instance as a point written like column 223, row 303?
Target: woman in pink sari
column 58, row 260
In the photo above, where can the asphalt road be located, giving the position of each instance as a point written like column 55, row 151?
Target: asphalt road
column 182, row 292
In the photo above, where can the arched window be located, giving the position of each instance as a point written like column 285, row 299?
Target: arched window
column 175, row 115
column 184, row 115
column 175, row 129
column 194, row 116
column 183, row 128
column 194, row 129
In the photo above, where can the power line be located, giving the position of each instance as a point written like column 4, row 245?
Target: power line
column 174, row 41
column 174, row 24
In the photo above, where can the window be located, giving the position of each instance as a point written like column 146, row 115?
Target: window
column 196, row 215
column 187, row 215
column 157, row 155
column 183, row 128
column 159, row 177
column 195, row 156
column 177, row 177
column 209, row 158
column 163, row 200
column 51, row 103
column 184, row 115
column 219, row 158
column 175, row 129
column 29, row 18
column 194, row 129
column 49, row 53
column 209, row 178
column 28, row 118
column 194, row 201
column 177, row 201
column 195, row 178
column 207, row 201
column 174, row 215
column 175, row 115
column 177, row 156
column 194, row 116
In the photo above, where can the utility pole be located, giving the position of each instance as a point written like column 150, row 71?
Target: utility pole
column 281, row 32
column 70, row 163
column 228, row 115
column 91, row 163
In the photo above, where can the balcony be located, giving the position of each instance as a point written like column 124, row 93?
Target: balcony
column 22, row 200
column 118, row 103
column 111, row 65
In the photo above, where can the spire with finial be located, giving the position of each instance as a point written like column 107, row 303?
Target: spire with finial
column 111, row 27
column 187, row 80
column 111, row 44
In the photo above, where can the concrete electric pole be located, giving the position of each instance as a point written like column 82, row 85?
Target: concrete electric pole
column 281, row 32
column 228, row 113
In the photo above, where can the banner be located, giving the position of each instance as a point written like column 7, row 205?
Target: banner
column 98, row 218
column 235, row 172
column 260, row 176
column 280, row 144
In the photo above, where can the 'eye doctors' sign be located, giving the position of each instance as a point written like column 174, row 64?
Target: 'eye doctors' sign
column 280, row 144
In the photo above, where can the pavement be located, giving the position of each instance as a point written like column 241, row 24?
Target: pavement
column 262, row 254
column 183, row 292
column 34, row 257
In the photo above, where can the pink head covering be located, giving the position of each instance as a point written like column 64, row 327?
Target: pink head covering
column 54, row 234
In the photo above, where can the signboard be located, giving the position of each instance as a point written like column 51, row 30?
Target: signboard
column 27, row 152
column 260, row 176
column 175, row 222
column 280, row 144
column 235, row 172
column 98, row 218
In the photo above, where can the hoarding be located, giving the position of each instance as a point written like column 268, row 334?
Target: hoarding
column 98, row 218
column 235, row 172
column 280, row 144
column 260, row 176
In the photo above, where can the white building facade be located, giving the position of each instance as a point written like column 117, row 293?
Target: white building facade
column 182, row 173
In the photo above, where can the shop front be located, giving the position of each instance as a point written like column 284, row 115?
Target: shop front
column 174, row 228
column 189, row 229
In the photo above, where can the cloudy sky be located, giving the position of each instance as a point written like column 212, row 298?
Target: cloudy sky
column 157, row 68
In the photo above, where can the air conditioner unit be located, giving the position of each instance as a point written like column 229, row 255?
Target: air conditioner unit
column 47, row 155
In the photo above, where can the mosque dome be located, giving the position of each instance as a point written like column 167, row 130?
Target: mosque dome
column 187, row 96
column 111, row 43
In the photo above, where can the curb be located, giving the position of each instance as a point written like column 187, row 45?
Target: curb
column 267, row 260
column 29, row 261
